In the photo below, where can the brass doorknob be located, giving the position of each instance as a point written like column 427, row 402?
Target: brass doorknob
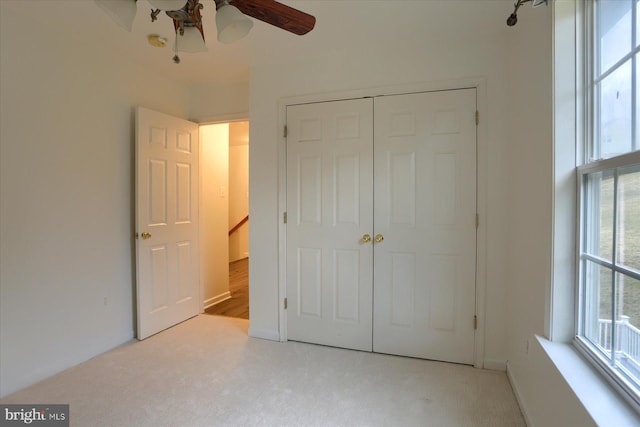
column 366, row 238
column 146, row 235
column 379, row 238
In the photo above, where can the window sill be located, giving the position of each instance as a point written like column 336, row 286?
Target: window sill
column 599, row 399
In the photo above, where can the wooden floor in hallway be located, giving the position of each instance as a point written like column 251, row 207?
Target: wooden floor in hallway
column 238, row 305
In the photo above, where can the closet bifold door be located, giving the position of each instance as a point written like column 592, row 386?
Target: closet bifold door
column 425, row 207
column 329, row 255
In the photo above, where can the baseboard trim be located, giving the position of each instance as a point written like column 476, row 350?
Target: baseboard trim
column 518, row 394
column 495, row 365
column 264, row 334
column 217, row 299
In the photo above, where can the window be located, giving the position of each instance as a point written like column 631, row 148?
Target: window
column 609, row 180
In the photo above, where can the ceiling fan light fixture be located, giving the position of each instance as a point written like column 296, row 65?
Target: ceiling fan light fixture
column 232, row 24
column 167, row 4
column 122, row 12
column 191, row 41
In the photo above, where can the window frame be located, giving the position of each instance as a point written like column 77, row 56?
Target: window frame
column 589, row 162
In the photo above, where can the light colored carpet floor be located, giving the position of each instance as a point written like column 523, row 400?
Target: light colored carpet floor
column 208, row 372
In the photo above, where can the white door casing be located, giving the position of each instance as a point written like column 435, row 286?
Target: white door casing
column 425, row 209
column 329, row 209
column 167, row 264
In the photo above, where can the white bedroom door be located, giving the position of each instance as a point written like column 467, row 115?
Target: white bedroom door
column 425, row 225
column 166, row 221
column 329, row 251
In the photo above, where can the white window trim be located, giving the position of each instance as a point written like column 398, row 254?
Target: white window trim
column 585, row 112
column 568, row 117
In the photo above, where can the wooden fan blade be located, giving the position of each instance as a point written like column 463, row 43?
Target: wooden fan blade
column 278, row 14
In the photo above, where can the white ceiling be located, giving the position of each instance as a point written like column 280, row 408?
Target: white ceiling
column 342, row 26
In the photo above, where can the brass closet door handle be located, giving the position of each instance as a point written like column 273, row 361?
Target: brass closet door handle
column 366, row 238
column 146, row 235
column 379, row 238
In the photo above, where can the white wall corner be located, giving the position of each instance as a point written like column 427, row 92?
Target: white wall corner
column 264, row 334
column 517, row 392
column 495, row 365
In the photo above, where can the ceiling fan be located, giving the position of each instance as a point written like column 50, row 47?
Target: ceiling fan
column 232, row 20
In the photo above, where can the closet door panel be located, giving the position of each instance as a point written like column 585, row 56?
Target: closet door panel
column 425, row 206
column 329, row 209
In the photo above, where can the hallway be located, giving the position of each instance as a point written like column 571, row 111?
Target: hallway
column 238, row 305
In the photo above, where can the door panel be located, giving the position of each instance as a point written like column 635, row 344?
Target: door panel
column 346, row 289
column 401, row 188
column 329, row 209
column 425, row 205
column 166, row 209
column 402, row 288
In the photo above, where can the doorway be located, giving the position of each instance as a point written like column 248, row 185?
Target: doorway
column 225, row 221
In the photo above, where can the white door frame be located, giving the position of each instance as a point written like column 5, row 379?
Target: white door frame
column 481, row 182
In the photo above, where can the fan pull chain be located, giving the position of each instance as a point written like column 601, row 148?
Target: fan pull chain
column 176, row 58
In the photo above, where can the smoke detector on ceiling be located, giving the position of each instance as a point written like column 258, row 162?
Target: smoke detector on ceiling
column 157, row 41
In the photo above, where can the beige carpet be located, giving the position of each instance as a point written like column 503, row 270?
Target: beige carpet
column 207, row 372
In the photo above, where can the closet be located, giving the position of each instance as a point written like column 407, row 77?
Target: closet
column 381, row 224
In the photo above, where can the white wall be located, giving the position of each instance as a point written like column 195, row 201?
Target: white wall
column 238, row 189
column 530, row 178
column 66, row 216
column 220, row 101
column 402, row 53
column 214, row 213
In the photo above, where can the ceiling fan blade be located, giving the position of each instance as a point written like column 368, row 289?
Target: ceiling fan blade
column 278, row 14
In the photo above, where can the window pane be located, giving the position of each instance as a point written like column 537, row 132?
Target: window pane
column 615, row 113
column 628, row 299
column 599, row 215
column 597, row 308
column 613, row 31
column 627, row 323
column 629, row 217
column 637, row 23
column 610, row 220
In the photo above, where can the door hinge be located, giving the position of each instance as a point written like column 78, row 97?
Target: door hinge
column 285, row 304
column 475, row 322
column 284, row 217
column 477, row 221
column 286, row 131
column 477, row 117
